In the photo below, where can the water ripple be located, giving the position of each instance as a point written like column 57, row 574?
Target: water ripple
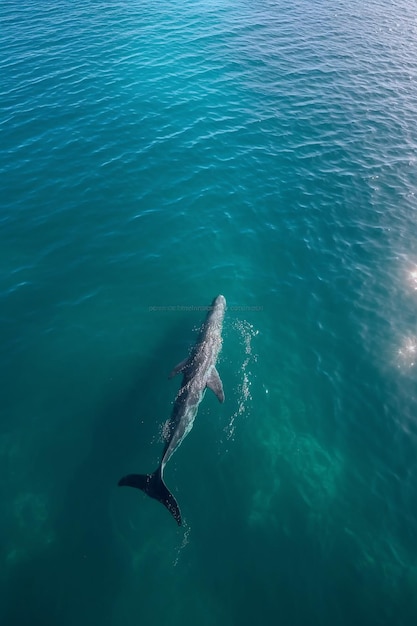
column 158, row 152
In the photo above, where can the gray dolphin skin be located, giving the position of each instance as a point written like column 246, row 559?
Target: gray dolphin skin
column 199, row 372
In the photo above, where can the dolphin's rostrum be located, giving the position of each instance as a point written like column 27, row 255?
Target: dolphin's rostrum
column 199, row 372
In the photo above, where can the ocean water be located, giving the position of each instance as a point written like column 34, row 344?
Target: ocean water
column 154, row 155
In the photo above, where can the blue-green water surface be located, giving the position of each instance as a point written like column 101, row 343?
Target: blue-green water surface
column 154, row 155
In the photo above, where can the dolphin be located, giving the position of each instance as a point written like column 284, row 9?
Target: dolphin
column 199, row 372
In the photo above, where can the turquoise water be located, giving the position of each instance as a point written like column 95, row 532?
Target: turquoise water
column 154, row 155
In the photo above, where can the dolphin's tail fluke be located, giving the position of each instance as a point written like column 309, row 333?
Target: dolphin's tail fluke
column 154, row 486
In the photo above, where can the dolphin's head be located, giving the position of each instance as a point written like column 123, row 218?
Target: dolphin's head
column 220, row 302
column 218, row 308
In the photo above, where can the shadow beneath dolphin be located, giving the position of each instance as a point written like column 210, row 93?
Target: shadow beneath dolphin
column 77, row 579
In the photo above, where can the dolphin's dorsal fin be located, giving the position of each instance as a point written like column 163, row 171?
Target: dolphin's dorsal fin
column 179, row 368
column 215, row 384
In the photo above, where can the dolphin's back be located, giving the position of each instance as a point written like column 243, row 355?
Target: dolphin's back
column 199, row 372
column 154, row 486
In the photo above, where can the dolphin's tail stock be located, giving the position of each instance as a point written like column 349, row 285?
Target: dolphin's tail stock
column 154, row 486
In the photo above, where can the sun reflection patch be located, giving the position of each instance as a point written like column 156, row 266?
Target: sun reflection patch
column 407, row 354
column 412, row 278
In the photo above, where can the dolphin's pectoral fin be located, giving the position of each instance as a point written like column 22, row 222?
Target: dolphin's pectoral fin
column 179, row 368
column 215, row 384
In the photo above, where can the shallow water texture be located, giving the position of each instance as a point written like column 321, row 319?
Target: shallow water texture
column 154, row 155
